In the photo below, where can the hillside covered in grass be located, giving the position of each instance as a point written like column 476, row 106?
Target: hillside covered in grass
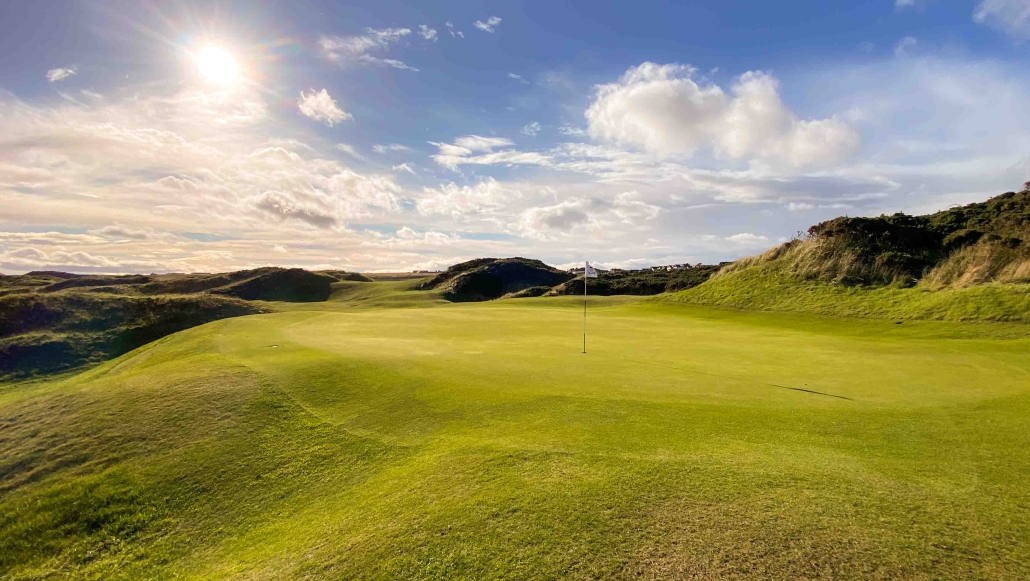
column 53, row 321
column 491, row 278
column 969, row 263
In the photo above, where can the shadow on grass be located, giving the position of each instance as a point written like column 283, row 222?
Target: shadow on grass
column 741, row 379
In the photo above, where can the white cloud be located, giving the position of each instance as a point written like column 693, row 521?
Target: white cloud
column 321, row 107
column 390, row 147
column 799, row 206
column 629, row 209
column 901, row 49
column 191, row 157
column 480, row 143
column 454, row 33
column 532, row 129
column 518, row 78
column 460, row 153
column 489, row 25
column 34, row 258
column 405, row 167
column 358, row 49
column 747, row 238
column 59, row 74
column 918, row 4
column 351, row 151
column 572, row 131
column 426, row 32
column 280, row 249
column 663, row 109
column 561, row 218
column 1009, row 16
column 451, row 199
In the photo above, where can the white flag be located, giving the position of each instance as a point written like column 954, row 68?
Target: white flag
column 590, row 271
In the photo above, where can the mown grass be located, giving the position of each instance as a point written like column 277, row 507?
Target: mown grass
column 476, row 441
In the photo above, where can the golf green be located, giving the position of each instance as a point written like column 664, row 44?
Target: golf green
column 477, row 441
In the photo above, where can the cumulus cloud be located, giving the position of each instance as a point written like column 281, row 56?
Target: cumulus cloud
column 59, row 74
column 34, row 258
column 561, row 218
column 451, row 199
column 426, row 32
column 665, row 110
column 489, row 25
column 407, row 237
column 193, row 156
column 1010, row 16
column 321, row 107
column 359, row 49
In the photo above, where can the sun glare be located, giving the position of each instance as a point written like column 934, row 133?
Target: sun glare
column 217, row 65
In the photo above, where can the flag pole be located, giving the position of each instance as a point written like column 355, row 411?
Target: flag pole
column 587, row 265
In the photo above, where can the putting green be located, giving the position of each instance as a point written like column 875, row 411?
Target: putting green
column 476, row 441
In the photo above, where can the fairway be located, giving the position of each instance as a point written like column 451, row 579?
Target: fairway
column 476, row 441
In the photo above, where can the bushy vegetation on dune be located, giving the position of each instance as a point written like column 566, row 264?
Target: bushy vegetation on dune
column 966, row 263
column 491, row 278
column 972, row 244
column 52, row 321
column 48, row 332
column 638, row 282
column 343, row 275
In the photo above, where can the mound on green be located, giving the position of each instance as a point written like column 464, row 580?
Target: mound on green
column 485, row 279
column 475, row 441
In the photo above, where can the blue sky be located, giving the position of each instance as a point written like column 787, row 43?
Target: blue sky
column 199, row 136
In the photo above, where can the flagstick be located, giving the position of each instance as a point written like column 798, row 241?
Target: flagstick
column 585, row 310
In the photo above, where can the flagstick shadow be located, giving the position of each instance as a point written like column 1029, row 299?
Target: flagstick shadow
column 740, row 379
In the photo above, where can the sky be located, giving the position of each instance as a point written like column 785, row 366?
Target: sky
column 179, row 136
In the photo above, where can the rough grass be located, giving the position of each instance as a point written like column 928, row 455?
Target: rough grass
column 979, row 264
column 772, row 286
column 475, row 441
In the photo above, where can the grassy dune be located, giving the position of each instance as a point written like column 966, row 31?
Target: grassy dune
column 767, row 287
column 476, row 441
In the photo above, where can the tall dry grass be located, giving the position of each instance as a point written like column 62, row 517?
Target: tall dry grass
column 823, row 259
column 978, row 264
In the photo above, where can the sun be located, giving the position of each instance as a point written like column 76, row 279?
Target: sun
column 217, row 65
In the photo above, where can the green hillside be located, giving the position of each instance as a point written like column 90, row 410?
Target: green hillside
column 968, row 263
column 474, row 440
column 55, row 321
